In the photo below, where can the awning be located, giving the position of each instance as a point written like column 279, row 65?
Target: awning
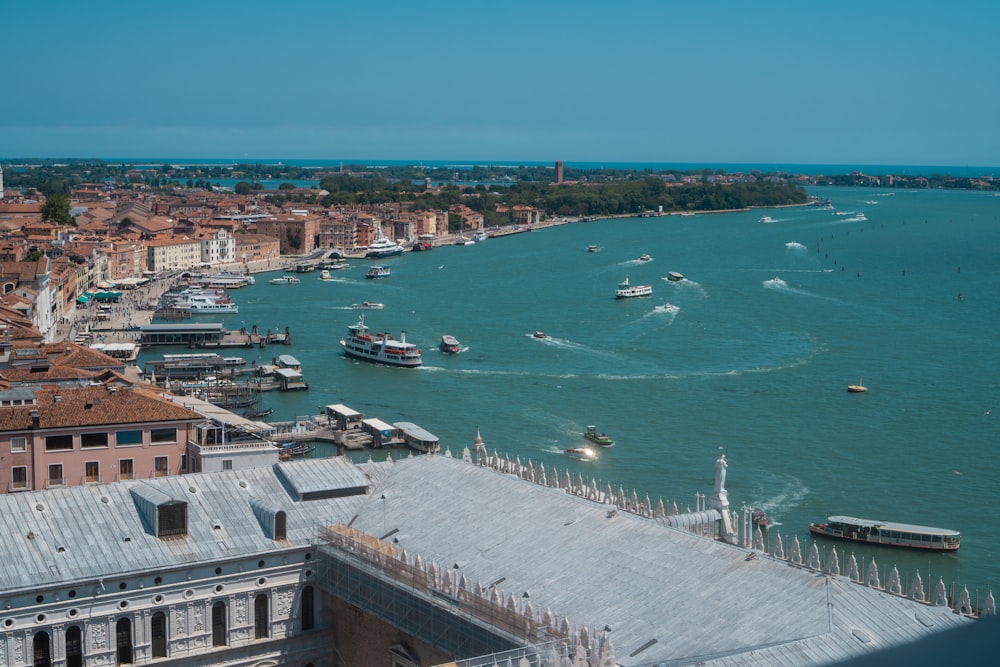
column 83, row 298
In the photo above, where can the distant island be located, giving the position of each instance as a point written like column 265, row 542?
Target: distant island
column 557, row 190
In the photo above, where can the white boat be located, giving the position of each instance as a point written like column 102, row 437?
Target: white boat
column 766, row 219
column 480, row 236
column 205, row 304
column 325, row 275
column 675, row 277
column 383, row 247
column 284, row 280
column 889, row 534
column 380, row 348
column 667, row 308
column 645, row 258
column 370, row 305
column 626, row 290
column 378, row 272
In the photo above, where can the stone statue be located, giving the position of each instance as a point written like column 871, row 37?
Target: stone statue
column 720, row 474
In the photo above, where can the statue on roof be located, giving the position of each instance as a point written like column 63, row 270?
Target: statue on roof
column 720, row 474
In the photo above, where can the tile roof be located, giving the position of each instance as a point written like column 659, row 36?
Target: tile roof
column 68, row 407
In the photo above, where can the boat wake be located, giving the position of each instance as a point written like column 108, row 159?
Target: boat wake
column 775, row 283
column 795, row 246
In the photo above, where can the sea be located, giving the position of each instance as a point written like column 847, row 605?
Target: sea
column 749, row 356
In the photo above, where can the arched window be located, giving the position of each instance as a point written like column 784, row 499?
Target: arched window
column 308, row 614
column 219, row 624
column 123, row 641
column 261, row 619
column 74, row 647
column 42, row 648
column 158, row 634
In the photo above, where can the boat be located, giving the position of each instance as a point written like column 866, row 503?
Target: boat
column 324, row 275
column 581, row 453
column 644, row 258
column 450, row 344
column 675, row 277
column 378, row 272
column 380, row 348
column 464, row 241
column 383, row 247
column 766, row 219
column 889, row 534
column 760, row 518
column 480, row 236
column 257, row 414
column 592, row 248
column 857, row 388
column 626, row 290
column 539, row 334
column 597, row 437
column 337, row 265
column 372, row 305
column 667, row 308
column 290, row 449
column 206, row 304
column 420, row 246
column 285, row 280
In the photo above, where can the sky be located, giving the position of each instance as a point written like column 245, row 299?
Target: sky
column 765, row 82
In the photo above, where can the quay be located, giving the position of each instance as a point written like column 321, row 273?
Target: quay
column 209, row 335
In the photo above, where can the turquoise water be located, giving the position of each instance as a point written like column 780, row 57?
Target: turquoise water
column 771, row 325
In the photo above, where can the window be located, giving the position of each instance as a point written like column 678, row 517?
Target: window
column 227, row 464
column 42, row 649
column 19, row 478
column 92, row 470
column 92, row 440
column 219, row 624
column 74, row 647
column 125, row 470
column 123, row 641
column 18, row 445
column 260, row 617
column 280, row 526
column 161, row 435
column 308, row 609
column 158, row 632
column 160, row 466
column 58, row 443
column 171, row 519
column 128, row 438
column 55, row 474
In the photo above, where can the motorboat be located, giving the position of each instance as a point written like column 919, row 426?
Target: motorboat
column 285, row 280
column 378, row 272
column 858, row 388
column 420, row 246
column 480, row 236
column 766, row 219
column 325, row 276
column 759, row 518
column 667, row 308
column 889, row 534
column 675, row 277
column 645, row 258
column 380, row 348
column 581, row 453
column 371, row 305
column 539, row 334
column 450, row 344
column 592, row 248
column 597, row 437
column 626, row 290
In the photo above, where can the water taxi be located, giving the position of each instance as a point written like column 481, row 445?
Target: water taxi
column 597, row 437
column 581, row 453
column 625, row 290
column 380, row 348
column 378, row 272
column 450, row 344
column 325, row 276
column 675, row 277
column 888, row 534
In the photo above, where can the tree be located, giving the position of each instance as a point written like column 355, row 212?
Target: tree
column 286, row 186
column 56, row 210
column 242, row 188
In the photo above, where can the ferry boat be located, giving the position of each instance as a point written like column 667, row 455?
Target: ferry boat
column 378, row 272
column 285, row 280
column 888, row 534
column 450, row 344
column 597, row 437
column 206, row 304
column 675, row 277
column 625, row 290
column 380, row 348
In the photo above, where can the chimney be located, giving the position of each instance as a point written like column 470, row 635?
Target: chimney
column 35, row 418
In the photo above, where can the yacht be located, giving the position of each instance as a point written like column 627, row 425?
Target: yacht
column 626, row 290
column 383, row 247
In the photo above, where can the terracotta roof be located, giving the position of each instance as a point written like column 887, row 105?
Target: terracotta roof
column 62, row 407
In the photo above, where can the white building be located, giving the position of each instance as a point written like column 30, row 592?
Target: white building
column 219, row 248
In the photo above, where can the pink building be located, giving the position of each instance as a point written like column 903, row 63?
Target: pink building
column 60, row 436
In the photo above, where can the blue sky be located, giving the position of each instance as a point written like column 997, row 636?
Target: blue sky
column 908, row 83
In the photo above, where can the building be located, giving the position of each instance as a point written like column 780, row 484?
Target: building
column 559, row 172
column 172, row 254
column 424, row 561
